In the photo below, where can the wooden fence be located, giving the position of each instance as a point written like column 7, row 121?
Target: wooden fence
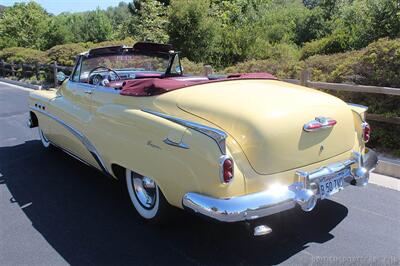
column 305, row 81
column 50, row 71
column 29, row 70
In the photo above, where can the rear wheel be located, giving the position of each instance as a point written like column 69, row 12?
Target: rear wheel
column 46, row 143
column 146, row 197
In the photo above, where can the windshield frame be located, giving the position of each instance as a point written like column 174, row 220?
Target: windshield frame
column 171, row 56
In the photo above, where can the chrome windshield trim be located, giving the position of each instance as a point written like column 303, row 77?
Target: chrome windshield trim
column 81, row 137
column 217, row 135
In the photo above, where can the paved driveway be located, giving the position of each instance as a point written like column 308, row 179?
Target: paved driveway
column 54, row 211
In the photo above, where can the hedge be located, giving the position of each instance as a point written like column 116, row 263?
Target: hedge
column 23, row 55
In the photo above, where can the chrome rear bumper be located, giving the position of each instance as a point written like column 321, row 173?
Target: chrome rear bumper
column 280, row 198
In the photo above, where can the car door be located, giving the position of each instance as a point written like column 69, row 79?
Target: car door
column 73, row 110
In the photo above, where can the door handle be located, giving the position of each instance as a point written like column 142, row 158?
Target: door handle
column 88, row 91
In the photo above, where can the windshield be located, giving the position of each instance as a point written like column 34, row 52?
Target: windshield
column 127, row 66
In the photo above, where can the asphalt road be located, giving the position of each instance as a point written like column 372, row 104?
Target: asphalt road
column 55, row 210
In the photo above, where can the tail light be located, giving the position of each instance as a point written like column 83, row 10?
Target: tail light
column 366, row 132
column 226, row 169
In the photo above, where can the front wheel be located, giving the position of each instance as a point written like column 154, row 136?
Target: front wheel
column 147, row 198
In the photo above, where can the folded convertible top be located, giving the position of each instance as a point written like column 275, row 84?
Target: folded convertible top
column 156, row 86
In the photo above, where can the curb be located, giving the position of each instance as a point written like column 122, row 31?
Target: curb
column 388, row 167
column 22, row 84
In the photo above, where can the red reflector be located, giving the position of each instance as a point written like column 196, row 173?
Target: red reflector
column 227, row 169
column 366, row 131
column 314, row 125
column 331, row 122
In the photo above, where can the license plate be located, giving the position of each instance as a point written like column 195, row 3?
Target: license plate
column 331, row 184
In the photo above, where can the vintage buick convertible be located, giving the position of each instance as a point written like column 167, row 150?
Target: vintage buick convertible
column 231, row 148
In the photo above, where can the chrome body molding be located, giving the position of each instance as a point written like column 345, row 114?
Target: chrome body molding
column 176, row 144
column 217, row 135
column 81, row 137
column 279, row 198
column 358, row 105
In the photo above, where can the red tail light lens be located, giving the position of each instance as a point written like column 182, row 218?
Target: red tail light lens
column 227, row 169
column 366, row 131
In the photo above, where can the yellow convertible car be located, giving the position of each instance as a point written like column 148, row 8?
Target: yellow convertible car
column 231, row 148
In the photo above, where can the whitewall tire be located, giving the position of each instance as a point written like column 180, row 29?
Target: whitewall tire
column 146, row 197
column 46, row 143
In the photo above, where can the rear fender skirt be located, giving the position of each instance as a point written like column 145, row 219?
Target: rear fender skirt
column 82, row 138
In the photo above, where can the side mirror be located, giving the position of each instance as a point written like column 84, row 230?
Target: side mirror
column 61, row 76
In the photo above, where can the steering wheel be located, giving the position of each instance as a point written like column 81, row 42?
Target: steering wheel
column 97, row 79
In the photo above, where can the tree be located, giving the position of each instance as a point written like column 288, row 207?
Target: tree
column 58, row 32
column 191, row 30
column 96, row 27
column 23, row 24
column 148, row 21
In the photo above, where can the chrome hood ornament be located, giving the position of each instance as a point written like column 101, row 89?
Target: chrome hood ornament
column 319, row 123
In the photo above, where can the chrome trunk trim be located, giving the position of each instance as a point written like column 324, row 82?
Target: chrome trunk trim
column 217, row 135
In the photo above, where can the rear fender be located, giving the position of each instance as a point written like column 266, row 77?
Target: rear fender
column 137, row 140
column 359, row 115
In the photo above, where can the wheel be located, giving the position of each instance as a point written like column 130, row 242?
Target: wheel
column 46, row 143
column 147, row 198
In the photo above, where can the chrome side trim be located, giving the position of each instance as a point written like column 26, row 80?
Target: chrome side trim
column 82, row 138
column 358, row 105
column 176, row 144
column 217, row 135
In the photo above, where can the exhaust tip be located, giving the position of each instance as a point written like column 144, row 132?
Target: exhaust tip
column 262, row 230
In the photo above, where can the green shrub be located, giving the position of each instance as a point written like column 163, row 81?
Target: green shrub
column 279, row 68
column 378, row 64
column 128, row 42
column 328, row 45
column 65, row 54
column 385, row 138
column 333, row 68
column 193, row 68
column 23, row 55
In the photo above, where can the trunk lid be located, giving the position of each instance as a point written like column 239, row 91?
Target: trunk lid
column 266, row 118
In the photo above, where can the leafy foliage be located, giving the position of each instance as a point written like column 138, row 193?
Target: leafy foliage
column 356, row 41
column 190, row 30
column 23, row 55
column 148, row 21
column 65, row 54
column 23, row 25
column 378, row 64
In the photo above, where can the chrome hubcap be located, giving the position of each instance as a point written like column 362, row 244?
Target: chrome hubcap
column 145, row 191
